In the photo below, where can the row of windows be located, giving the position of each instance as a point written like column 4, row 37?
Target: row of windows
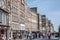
column 15, row 3
column 31, row 24
column 16, row 19
column 29, row 15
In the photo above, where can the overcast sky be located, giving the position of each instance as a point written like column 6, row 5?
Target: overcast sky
column 51, row 8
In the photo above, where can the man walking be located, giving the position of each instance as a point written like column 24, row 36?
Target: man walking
column 49, row 36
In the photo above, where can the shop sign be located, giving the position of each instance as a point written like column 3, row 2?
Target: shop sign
column 22, row 26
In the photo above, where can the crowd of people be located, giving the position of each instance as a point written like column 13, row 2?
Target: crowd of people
column 38, row 35
column 2, row 36
column 33, row 36
column 29, row 36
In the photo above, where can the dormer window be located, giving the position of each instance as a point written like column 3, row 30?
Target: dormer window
column 22, row 1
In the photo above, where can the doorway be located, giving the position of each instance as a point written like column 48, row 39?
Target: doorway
column 3, row 34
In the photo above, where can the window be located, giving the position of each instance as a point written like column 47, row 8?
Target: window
column 3, row 18
column 2, row 4
column 22, row 14
column 22, row 8
column 14, row 18
column 14, row 3
column 22, row 21
column 0, row 17
column 14, row 10
column 8, row 2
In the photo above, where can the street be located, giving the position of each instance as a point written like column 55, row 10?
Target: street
column 46, row 39
column 38, row 39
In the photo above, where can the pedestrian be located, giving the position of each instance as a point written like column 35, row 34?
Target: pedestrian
column 4, row 36
column 43, row 36
column 1, row 36
column 27, row 36
column 14, row 36
column 37, row 35
column 30, row 36
column 49, row 35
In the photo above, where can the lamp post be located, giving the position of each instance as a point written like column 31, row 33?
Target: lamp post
column 43, row 29
column 49, row 32
column 59, row 32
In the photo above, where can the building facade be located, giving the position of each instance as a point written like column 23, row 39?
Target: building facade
column 44, row 25
column 43, row 18
column 31, row 20
column 40, row 22
column 51, row 28
column 20, row 18
column 17, row 17
column 16, row 10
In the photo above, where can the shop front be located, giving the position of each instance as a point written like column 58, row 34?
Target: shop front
column 3, row 32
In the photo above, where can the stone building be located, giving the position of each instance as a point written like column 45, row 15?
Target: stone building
column 44, row 25
column 31, row 20
column 43, row 18
column 52, row 28
column 49, row 26
column 39, row 22
column 17, row 16
column 16, row 10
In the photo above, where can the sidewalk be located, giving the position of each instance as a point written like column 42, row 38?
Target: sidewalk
column 20, row 39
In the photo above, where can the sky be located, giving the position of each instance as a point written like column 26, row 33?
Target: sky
column 50, row 8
